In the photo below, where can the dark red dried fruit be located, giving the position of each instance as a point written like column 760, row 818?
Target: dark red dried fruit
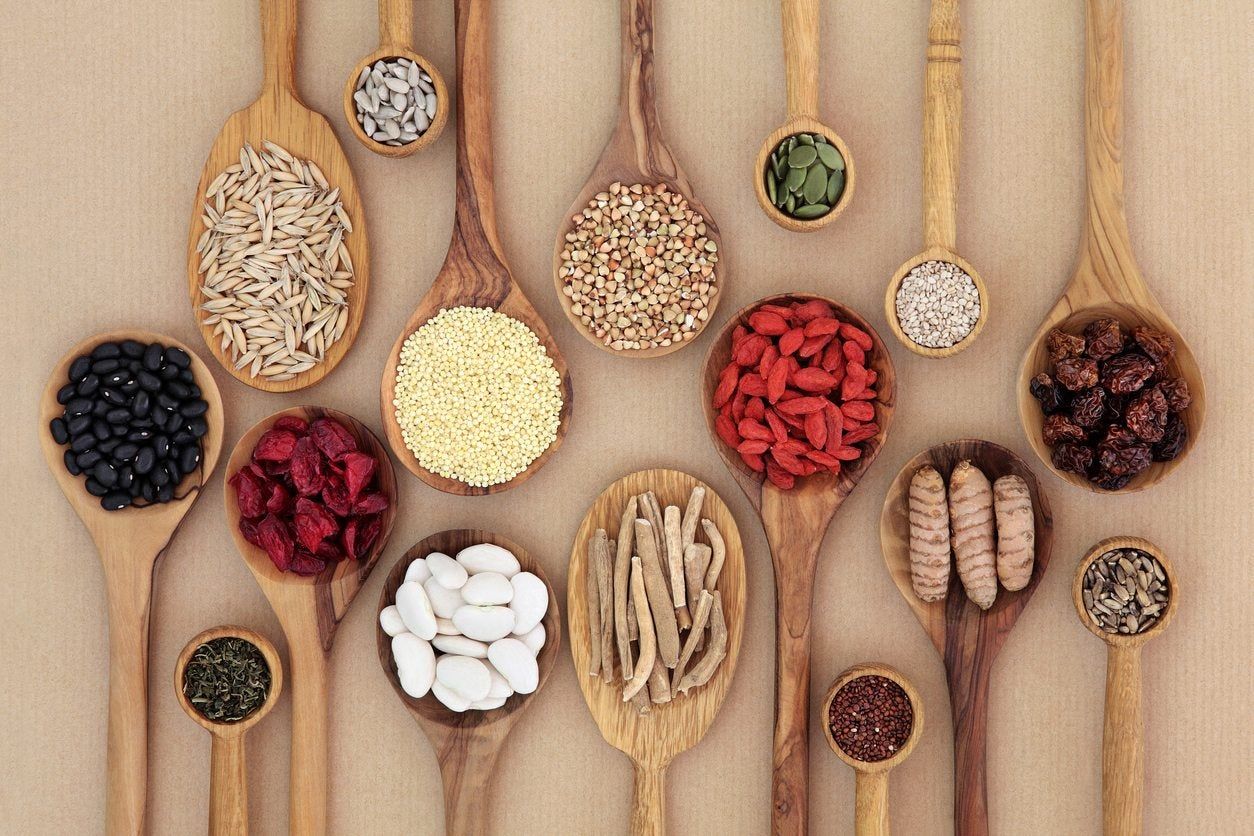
column 1076, row 373
column 1176, row 391
column 335, row 497
column 280, row 501
column 1060, row 428
column 1108, row 481
column 358, row 471
column 1052, row 397
column 359, row 535
column 1061, row 345
column 371, row 503
column 293, row 423
column 332, row 438
column 1089, row 407
column 1073, row 458
column 1175, row 436
column 1121, row 453
column 1147, row 415
column 1157, row 344
column 274, row 536
column 305, row 563
column 306, row 474
column 1126, row 373
column 250, row 494
column 1104, row 338
column 313, row 523
column 248, row 528
column 275, row 446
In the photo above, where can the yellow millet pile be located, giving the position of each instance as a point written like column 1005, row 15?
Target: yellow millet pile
column 477, row 397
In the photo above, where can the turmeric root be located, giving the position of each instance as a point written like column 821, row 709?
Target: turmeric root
column 1016, row 533
column 971, row 524
column 929, row 535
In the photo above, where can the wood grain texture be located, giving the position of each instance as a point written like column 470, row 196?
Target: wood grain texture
column 279, row 115
column 795, row 523
column 967, row 638
column 228, row 772
column 1107, row 280
column 467, row 744
column 653, row 740
column 130, row 542
column 637, row 153
column 474, row 272
column 310, row 608
column 396, row 40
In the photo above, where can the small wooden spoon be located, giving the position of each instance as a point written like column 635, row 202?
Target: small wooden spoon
column 801, row 68
column 228, row 784
column 796, row 522
column 967, row 638
column 653, row 740
column 1123, row 738
column 310, row 609
column 279, row 115
column 467, row 744
column 396, row 36
column 474, row 272
column 637, row 153
column 942, row 118
column 871, row 806
column 1107, row 281
column 130, row 543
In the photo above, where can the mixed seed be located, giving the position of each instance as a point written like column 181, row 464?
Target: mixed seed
column 396, row 101
column 1125, row 591
column 805, row 176
column 937, row 304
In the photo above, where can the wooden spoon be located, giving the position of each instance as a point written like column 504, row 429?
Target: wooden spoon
column 310, row 609
column 653, row 740
column 130, row 542
column 801, row 68
column 474, row 272
column 942, row 118
column 967, row 638
column 796, row 522
column 871, row 806
column 637, row 153
column 1123, row 738
column 396, row 36
column 467, row 744
column 279, row 115
column 1107, row 281
column 228, row 784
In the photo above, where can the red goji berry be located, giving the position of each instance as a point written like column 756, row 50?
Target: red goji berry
column 738, row 334
column 748, row 428
column 813, row 345
column 825, row 459
column 754, row 461
column 814, row 380
column 769, row 357
column 777, row 382
column 854, row 382
column 853, row 353
column 727, row 431
column 753, row 385
column 819, row 327
column 862, row 433
column 858, row 410
column 779, row 477
column 752, row 446
column 852, row 332
column 787, row 461
column 847, row 454
column 802, row 405
column 727, row 381
column 768, row 322
column 791, row 341
column 816, row 429
column 813, row 309
column 778, row 428
column 755, row 409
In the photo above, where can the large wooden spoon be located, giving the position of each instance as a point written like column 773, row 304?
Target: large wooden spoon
column 653, row 740
column 310, row 608
column 637, row 153
column 967, row 638
column 130, row 542
column 474, row 272
column 279, row 115
column 1107, row 281
column 467, row 744
column 796, row 522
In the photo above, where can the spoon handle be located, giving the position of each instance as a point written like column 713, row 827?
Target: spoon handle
column 968, row 698
column 942, row 119
column 475, row 211
column 801, row 56
column 467, row 759
column 396, row 23
column 871, row 810
column 1123, row 744
column 1106, row 227
column 648, row 801
column 228, row 788
column 309, row 765
column 637, row 109
column 278, row 44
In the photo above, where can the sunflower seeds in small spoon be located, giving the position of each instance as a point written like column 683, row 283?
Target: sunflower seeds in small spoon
column 396, row 101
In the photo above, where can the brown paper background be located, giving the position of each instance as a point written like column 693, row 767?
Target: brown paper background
column 109, row 110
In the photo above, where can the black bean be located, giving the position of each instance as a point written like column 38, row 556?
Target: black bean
column 78, row 424
column 88, row 458
column 177, row 357
column 129, row 388
column 176, row 475
column 108, row 446
column 137, row 488
column 89, row 385
column 131, row 348
column 106, row 366
column 142, row 424
column 101, row 430
column 82, row 443
column 189, row 458
column 60, row 433
column 115, row 500
column 198, row 427
column 152, row 357
column 140, row 404
column 168, row 372
column 159, row 476
column 165, row 492
column 121, row 430
column 161, row 446
column 105, row 474
column 125, row 452
column 79, row 368
column 149, row 491
column 144, row 461
column 166, row 402
column 78, row 406
column 71, row 463
column 147, row 381
column 95, row 488
column 187, row 377
column 118, row 415
column 126, row 478
column 193, row 409
column 101, row 409
column 193, row 391
column 177, row 389
column 116, row 379
column 182, row 438
column 139, row 435
column 113, row 396
column 66, row 393
column 106, row 351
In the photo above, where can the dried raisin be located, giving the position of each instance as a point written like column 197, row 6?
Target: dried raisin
column 1121, row 453
column 1104, row 338
column 1073, row 458
column 1126, row 373
column 1089, row 407
column 1060, row 428
column 1053, row 398
column 1158, row 345
column 1062, row 345
column 1147, row 415
column 1176, row 391
column 1076, row 373
column 1175, row 436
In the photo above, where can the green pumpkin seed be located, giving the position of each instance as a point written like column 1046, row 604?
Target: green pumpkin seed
column 790, row 205
column 790, row 144
column 819, row 139
column 770, row 188
column 811, row 211
column 830, row 157
column 835, row 186
column 796, row 179
column 802, row 156
column 805, row 139
column 815, row 186
column 780, row 166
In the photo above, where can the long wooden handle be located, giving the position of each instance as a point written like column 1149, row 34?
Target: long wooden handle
column 278, row 44
column 648, row 801
column 871, row 805
column 637, row 102
column 228, row 788
column 1106, row 225
column 396, row 23
column 968, row 699
column 1123, row 745
column 475, row 211
column 308, row 784
column 801, row 56
column 942, row 120
column 467, row 760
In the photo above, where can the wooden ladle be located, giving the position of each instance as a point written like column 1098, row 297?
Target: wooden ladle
column 637, row 153
column 130, row 542
column 279, row 115
column 228, row 785
column 967, row 638
column 871, row 783
column 1107, row 281
column 1123, row 736
column 467, row 744
column 801, row 69
column 796, row 522
column 474, row 273
column 396, row 38
column 310, row 608
column 653, row 740
column 942, row 119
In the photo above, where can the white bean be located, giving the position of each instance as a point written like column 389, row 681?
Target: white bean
column 391, row 622
column 514, row 661
column 534, row 639
column 415, row 664
column 487, row 557
column 446, row 570
column 531, row 601
column 460, row 646
column 452, row 700
column 444, row 601
column 468, row 677
column 487, row 624
column 418, row 571
column 488, row 589
column 415, row 610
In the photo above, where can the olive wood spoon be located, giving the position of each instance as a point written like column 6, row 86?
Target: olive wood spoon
column 871, row 782
column 795, row 522
column 467, row 744
column 942, row 119
column 396, row 38
column 967, row 638
column 1123, row 735
column 653, row 740
column 801, row 69
column 228, row 783
column 637, row 153
column 309, row 609
column 1107, row 281
column 279, row 115
column 130, row 543
column 474, row 272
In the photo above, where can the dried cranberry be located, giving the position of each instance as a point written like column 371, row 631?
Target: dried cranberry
column 1076, row 373
column 1060, row 428
column 1126, row 373
column 332, row 438
column 1175, row 436
column 250, row 494
column 1073, row 458
column 313, row 523
column 307, row 475
column 359, row 536
column 304, row 563
column 248, row 528
column 1062, row 345
column 280, row 500
column 275, row 446
column 293, row 423
column 1053, row 398
column 1089, row 407
column 1104, row 338
column 1147, row 414
column 335, row 495
column 1158, row 345
column 277, row 541
column 1176, row 391
column 371, row 503
column 358, row 471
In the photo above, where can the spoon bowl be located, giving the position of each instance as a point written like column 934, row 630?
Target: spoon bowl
column 798, row 123
column 890, row 303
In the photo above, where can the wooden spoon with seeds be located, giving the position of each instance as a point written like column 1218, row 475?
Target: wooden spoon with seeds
column 278, row 115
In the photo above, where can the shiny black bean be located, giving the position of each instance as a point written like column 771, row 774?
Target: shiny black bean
column 126, row 451
column 168, row 372
column 140, row 404
column 183, row 438
column 198, row 427
column 115, row 500
column 159, row 476
column 82, row 443
column 176, row 356
column 193, row 409
column 105, row 474
column 166, row 402
column 177, row 389
column 118, row 415
column 139, row 435
column 106, row 366
column 101, row 409
column 78, row 406
column 129, row 388
column 176, row 475
column 95, row 488
column 137, row 487
column 121, row 430
column 161, row 446
column 71, row 463
column 60, row 433
column 113, row 396
column 66, row 393
column 101, row 430
column 89, row 385
column 79, row 368
column 187, row 377
column 189, row 458
column 131, row 349
column 88, row 458
column 126, row 478
column 165, row 492
column 149, row 491
column 147, row 381
column 193, row 391
column 116, row 379
column 152, row 357
column 144, row 461
column 108, row 446
column 78, row 424
column 106, row 351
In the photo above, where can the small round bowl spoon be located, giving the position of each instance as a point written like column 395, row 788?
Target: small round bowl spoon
column 396, row 38
column 310, row 608
column 228, row 784
column 130, row 543
column 1123, row 736
column 467, row 744
column 871, row 788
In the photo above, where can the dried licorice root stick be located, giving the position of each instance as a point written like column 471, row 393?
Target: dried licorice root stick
column 675, row 565
column 653, row 513
column 605, row 597
column 659, row 684
column 704, row 669
column 622, row 585
column 692, row 516
column 699, row 620
column 593, row 594
column 719, row 554
column 659, row 599
column 696, row 562
column 648, row 642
